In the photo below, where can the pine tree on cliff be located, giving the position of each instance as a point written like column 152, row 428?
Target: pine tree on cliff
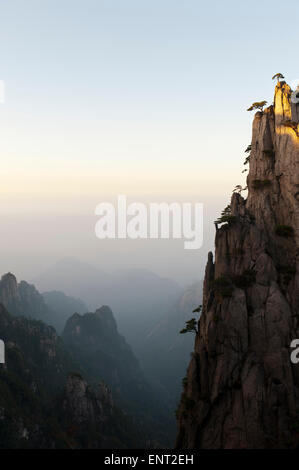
column 277, row 77
column 259, row 105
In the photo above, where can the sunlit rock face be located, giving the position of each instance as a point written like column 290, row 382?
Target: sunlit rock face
column 274, row 158
column 242, row 390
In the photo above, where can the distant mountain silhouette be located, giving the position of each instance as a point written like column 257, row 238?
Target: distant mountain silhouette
column 44, row 400
column 96, row 347
column 138, row 297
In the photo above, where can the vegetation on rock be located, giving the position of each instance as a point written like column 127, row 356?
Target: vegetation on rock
column 261, row 184
column 284, row 231
column 226, row 216
column 258, row 105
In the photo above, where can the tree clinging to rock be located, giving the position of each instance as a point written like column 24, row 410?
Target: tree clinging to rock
column 277, row 77
column 258, row 105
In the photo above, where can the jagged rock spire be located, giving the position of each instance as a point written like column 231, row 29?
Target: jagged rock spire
column 242, row 389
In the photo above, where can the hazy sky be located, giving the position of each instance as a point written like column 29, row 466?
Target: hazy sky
column 145, row 98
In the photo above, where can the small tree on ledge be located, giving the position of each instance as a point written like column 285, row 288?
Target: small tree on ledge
column 197, row 309
column 258, row 105
column 226, row 216
column 190, row 326
column 277, row 77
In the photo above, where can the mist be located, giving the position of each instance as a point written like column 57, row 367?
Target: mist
column 33, row 242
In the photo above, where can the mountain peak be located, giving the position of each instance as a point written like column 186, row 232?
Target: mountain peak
column 91, row 328
column 22, row 298
column 8, row 277
column 9, row 292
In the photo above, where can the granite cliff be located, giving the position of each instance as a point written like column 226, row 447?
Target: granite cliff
column 242, row 390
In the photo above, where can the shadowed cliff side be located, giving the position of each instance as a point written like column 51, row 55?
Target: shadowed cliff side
column 95, row 343
column 242, row 390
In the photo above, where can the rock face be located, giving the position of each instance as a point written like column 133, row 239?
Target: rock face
column 33, row 347
column 94, row 340
column 84, row 404
column 9, row 291
column 22, row 298
column 85, row 408
column 242, row 390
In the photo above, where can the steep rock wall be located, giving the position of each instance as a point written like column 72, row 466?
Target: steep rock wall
column 242, row 390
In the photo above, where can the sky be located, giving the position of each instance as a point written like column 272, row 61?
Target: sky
column 143, row 98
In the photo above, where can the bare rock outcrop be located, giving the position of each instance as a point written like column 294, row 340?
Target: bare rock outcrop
column 84, row 404
column 9, row 291
column 242, row 390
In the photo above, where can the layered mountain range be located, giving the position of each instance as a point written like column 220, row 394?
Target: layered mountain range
column 44, row 403
column 55, row 391
column 242, row 390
